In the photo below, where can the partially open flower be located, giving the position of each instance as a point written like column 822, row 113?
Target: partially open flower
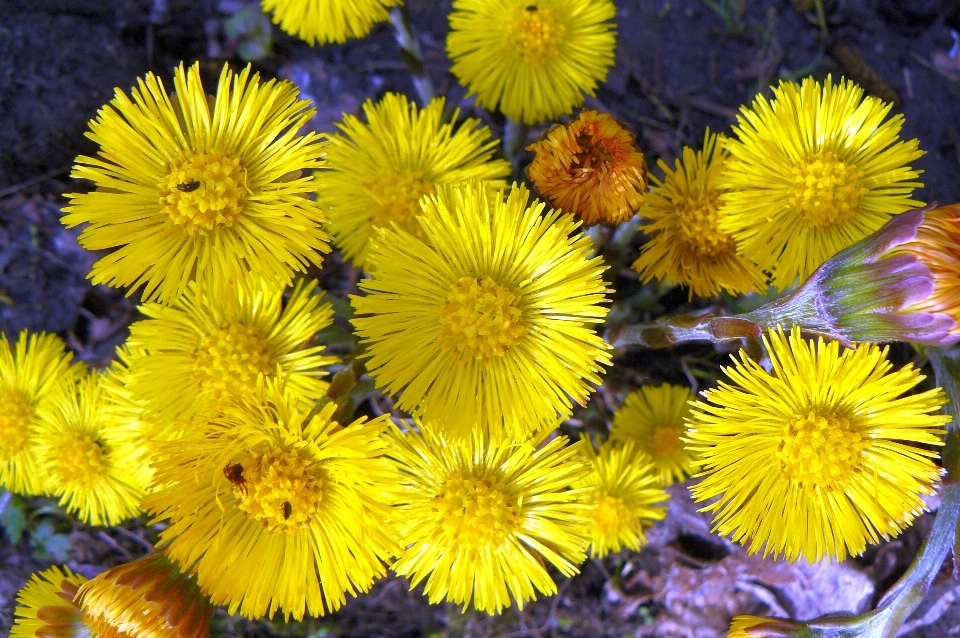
column 624, row 495
column 45, row 606
column 756, row 627
column 899, row 284
column 591, row 168
column 145, row 598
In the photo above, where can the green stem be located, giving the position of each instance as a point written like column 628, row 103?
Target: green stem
column 514, row 139
column 410, row 52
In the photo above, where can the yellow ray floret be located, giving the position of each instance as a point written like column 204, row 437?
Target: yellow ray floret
column 92, row 459
column 275, row 508
column 623, row 496
column 487, row 321
column 379, row 170
column 686, row 244
column 481, row 518
column 818, row 457
column 532, row 59
column 193, row 187
column 813, row 170
column 323, row 21
column 45, row 606
column 653, row 419
column 29, row 372
column 184, row 357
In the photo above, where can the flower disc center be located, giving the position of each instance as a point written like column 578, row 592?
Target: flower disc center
column 281, row 489
column 81, row 459
column 480, row 319
column 826, row 190
column 593, row 153
column 16, row 419
column 609, row 514
column 477, row 513
column 820, row 450
column 665, row 441
column 534, row 35
column 203, row 191
column 398, row 198
column 232, row 354
column 698, row 226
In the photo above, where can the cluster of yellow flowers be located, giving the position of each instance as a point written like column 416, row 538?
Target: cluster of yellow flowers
column 477, row 316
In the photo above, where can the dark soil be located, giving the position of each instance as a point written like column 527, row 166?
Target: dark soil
column 679, row 69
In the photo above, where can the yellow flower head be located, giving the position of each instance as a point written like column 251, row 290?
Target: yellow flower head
column 145, row 598
column 532, row 59
column 652, row 418
column 45, row 606
column 486, row 322
column 591, row 168
column 686, row 243
column 816, row 458
column 814, row 170
column 29, row 371
column 378, row 171
column 275, row 508
column 92, row 460
column 480, row 518
column 184, row 357
column 192, row 187
column 326, row 21
column 624, row 492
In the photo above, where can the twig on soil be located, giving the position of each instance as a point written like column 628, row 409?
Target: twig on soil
column 16, row 188
column 114, row 545
column 547, row 624
column 147, row 545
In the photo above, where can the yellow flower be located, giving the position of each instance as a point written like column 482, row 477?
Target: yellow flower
column 816, row 458
column 184, row 357
column 480, row 518
column 275, row 508
column 191, row 187
column 653, row 419
column 532, row 59
column 326, row 21
column 92, row 461
column 29, row 371
column 378, row 171
column 623, row 496
column 590, row 168
column 145, row 598
column 486, row 322
column 814, row 170
column 45, row 606
column 686, row 243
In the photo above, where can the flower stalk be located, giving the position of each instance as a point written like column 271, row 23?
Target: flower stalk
column 410, row 52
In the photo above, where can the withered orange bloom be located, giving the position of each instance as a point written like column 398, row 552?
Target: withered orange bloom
column 591, row 168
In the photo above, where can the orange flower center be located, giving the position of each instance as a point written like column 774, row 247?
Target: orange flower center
column 820, row 450
column 397, row 196
column 230, row 355
column 480, row 319
column 16, row 421
column 281, row 489
column 826, row 190
column 593, row 152
column 534, row 34
column 203, row 191
column 477, row 513
column 665, row 441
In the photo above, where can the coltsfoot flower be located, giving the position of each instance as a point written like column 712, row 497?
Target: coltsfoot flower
column 275, row 508
column 532, row 59
column 818, row 457
column 29, row 371
column 46, row 607
column 378, row 170
column 813, row 170
column 323, row 21
column 590, row 168
column 481, row 517
column 191, row 187
column 623, row 497
column 686, row 244
column 487, row 321
column 145, row 598
column 186, row 356
column 92, row 460
column 652, row 418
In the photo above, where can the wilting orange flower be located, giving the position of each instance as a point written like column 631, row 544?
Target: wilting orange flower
column 591, row 168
